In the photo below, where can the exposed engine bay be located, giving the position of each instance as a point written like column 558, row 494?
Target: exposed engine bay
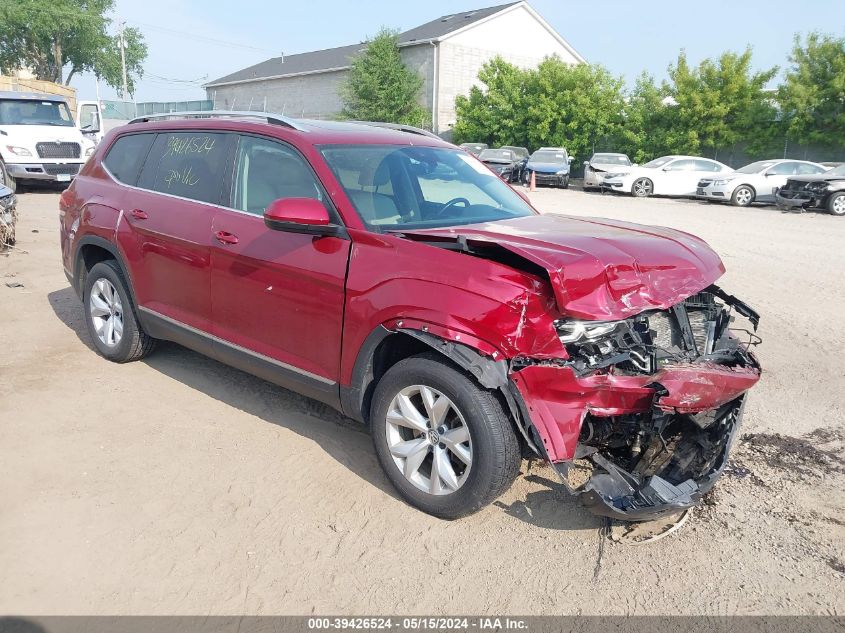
column 644, row 464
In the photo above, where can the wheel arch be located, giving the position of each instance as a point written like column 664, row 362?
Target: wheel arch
column 745, row 184
column 91, row 250
column 385, row 347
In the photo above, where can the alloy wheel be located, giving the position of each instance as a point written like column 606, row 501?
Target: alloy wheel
column 643, row 187
column 838, row 205
column 106, row 310
column 429, row 440
column 744, row 196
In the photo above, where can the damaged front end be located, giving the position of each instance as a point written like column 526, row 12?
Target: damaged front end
column 640, row 418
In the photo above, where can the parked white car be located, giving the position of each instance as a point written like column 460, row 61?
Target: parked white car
column 756, row 182
column 665, row 176
column 601, row 164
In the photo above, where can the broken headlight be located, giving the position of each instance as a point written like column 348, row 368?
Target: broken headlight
column 573, row 331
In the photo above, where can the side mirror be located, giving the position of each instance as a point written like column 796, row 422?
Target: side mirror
column 570, row 159
column 586, row 162
column 300, row 215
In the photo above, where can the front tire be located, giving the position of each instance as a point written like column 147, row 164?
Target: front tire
column 110, row 315
column 445, row 443
column 743, row 196
column 836, row 203
column 642, row 188
column 565, row 183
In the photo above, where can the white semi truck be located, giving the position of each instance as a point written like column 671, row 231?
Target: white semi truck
column 41, row 140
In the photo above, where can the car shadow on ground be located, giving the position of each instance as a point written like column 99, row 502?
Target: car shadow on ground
column 344, row 439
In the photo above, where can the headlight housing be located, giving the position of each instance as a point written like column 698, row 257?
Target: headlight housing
column 18, row 151
column 722, row 181
column 575, row 331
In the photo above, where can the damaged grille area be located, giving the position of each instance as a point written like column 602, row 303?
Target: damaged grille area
column 697, row 329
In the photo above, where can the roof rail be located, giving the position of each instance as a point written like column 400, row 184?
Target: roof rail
column 400, row 127
column 269, row 117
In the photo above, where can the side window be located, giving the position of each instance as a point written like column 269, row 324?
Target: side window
column 706, row 165
column 805, row 169
column 782, row 169
column 265, row 171
column 187, row 164
column 682, row 165
column 126, row 155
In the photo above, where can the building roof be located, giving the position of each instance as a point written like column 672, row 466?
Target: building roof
column 339, row 58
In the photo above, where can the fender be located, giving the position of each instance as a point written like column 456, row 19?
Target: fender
column 489, row 372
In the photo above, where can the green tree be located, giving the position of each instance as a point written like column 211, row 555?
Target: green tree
column 51, row 36
column 495, row 114
column 573, row 105
column 650, row 126
column 381, row 88
column 719, row 103
column 555, row 104
column 812, row 96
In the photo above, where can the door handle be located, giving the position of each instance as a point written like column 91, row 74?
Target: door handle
column 138, row 214
column 226, row 238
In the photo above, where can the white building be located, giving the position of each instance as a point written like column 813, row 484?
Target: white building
column 447, row 52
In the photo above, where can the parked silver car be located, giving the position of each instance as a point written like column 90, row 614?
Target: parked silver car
column 756, row 182
column 602, row 164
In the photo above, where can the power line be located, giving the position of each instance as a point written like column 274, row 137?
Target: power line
column 202, row 38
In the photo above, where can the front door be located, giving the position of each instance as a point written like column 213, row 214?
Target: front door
column 277, row 297
column 167, row 234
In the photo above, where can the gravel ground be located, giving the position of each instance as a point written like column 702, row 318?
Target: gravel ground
column 177, row 485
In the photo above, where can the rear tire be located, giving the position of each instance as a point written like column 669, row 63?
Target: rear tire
column 642, row 188
column 836, row 203
column 110, row 315
column 743, row 196
column 410, row 434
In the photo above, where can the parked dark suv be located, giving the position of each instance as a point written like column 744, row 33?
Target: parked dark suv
column 396, row 278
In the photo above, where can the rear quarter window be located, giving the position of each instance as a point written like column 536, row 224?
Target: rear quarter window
column 187, row 164
column 126, row 156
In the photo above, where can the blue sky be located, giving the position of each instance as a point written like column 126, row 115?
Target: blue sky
column 194, row 39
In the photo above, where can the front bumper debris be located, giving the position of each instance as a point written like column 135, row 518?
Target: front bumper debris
column 788, row 200
column 620, row 494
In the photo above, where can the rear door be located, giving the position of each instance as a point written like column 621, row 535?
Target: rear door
column 679, row 178
column 169, row 217
column 277, row 297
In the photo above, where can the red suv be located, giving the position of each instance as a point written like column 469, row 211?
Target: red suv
column 394, row 277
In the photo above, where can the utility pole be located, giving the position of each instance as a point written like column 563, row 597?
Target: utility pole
column 122, row 43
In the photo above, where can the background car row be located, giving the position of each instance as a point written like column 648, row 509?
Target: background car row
column 789, row 183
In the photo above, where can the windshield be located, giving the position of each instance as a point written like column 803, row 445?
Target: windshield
column 659, row 162
column 400, row 187
column 496, row 154
column 836, row 172
column 610, row 159
column 754, row 168
column 547, row 156
column 34, row 112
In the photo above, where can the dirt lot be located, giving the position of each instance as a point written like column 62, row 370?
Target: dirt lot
column 178, row 485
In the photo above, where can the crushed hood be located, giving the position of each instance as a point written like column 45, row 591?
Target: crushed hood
column 599, row 269
column 613, row 168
